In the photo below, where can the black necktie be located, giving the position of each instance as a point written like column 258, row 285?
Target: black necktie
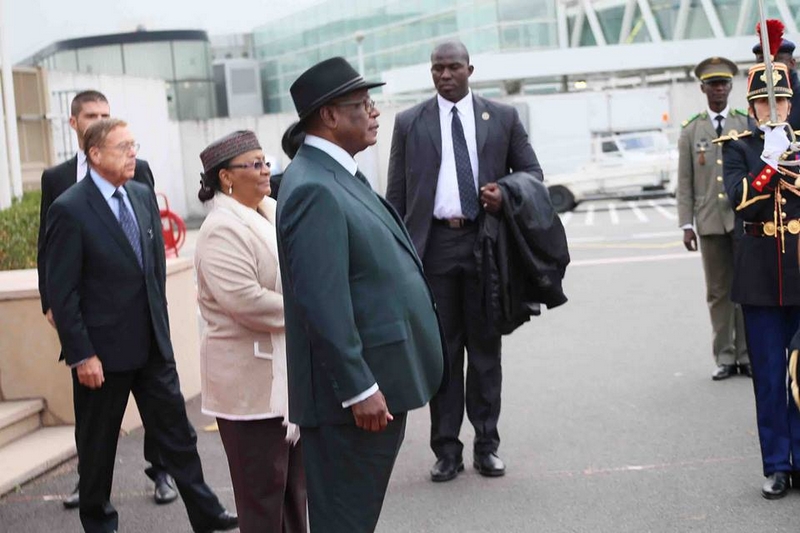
column 363, row 179
column 129, row 227
column 719, row 119
column 466, row 181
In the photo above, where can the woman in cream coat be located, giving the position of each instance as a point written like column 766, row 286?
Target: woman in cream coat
column 243, row 360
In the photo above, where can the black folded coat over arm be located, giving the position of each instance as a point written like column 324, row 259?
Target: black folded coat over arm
column 522, row 254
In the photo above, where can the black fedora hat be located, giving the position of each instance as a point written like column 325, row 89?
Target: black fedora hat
column 323, row 82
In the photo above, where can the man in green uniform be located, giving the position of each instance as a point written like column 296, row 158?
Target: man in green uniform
column 702, row 203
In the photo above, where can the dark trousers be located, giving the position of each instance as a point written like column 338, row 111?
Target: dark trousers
column 98, row 417
column 769, row 331
column 267, row 475
column 151, row 455
column 451, row 269
column 347, row 471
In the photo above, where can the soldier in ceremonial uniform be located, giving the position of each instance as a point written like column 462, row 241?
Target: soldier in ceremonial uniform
column 702, row 202
column 762, row 191
column 785, row 55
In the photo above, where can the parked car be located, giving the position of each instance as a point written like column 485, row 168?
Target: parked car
column 628, row 164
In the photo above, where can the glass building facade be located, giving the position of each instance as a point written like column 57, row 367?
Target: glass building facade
column 181, row 58
column 397, row 33
column 394, row 33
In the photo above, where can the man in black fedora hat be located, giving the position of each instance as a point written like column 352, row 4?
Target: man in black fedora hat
column 362, row 335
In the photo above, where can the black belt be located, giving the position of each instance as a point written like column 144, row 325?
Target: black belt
column 454, row 223
column 770, row 229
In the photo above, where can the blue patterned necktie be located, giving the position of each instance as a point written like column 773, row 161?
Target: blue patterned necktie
column 466, row 181
column 129, row 227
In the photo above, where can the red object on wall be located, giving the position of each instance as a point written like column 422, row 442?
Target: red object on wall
column 172, row 227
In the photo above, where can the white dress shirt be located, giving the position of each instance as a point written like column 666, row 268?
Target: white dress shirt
column 447, row 202
column 350, row 165
column 712, row 116
column 107, row 190
column 82, row 165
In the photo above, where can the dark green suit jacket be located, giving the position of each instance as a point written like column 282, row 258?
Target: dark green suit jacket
column 358, row 308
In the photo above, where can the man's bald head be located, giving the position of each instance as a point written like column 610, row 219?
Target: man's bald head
column 452, row 49
column 451, row 70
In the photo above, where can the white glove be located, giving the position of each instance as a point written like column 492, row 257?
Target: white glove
column 776, row 142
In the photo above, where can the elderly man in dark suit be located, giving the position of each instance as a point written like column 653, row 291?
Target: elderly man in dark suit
column 362, row 335
column 88, row 107
column 447, row 154
column 106, row 285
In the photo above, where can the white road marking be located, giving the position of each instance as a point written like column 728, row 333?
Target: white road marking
column 667, row 214
column 612, row 212
column 633, row 259
column 590, row 216
column 636, row 211
column 656, row 235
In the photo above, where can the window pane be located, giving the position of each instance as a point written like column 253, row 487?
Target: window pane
column 149, row 60
column 100, row 59
column 195, row 100
column 66, row 61
column 191, row 60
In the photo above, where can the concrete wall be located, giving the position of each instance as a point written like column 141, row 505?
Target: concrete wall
column 29, row 347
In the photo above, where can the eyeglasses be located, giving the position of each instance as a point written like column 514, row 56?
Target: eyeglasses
column 368, row 103
column 257, row 165
column 125, row 148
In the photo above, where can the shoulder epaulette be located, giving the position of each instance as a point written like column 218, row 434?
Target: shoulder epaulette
column 692, row 119
column 732, row 136
column 740, row 112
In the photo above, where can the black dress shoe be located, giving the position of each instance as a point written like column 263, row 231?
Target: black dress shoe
column 224, row 522
column 746, row 370
column 724, row 372
column 165, row 489
column 446, row 468
column 489, row 465
column 73, row 501
column 776, row 486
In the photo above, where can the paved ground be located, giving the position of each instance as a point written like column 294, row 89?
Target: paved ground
column 610, row 421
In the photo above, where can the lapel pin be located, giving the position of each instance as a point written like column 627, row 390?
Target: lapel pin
column 150, row 232
column 485, row 115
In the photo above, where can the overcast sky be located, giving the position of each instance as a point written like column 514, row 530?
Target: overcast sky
column 33, row 24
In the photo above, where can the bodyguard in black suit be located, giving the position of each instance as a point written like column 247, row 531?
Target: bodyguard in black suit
column 106, row 284
column 447, row 153
column 88, row 107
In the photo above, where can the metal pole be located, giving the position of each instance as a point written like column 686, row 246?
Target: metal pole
column 12, row 137
column 359, row 36
column 5, row 181
column 767, row 53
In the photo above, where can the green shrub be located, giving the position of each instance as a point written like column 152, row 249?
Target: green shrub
column 19, row 230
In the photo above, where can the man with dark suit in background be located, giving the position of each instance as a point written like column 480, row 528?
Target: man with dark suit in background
column 362, row 337
column 106, row 286
column 447, row 154
column 88, row 107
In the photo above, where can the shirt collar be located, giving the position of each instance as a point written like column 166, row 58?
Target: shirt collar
column 464, row 105
column 724, row 113
column 106, row 189
column 335, row 151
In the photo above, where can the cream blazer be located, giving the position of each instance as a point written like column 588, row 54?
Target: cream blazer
column 238, row 284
